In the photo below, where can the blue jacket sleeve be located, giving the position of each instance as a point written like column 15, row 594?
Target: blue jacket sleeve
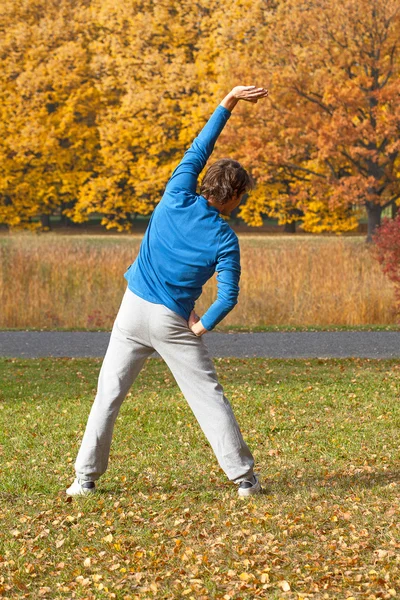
column 228, row 275
column 193, row 162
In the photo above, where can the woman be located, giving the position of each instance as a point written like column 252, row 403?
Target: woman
column 185, row 243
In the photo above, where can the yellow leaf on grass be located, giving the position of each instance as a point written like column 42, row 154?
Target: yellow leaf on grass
column 285, row 587
column 16, row 533
column 44, row 590
column 108, row 538
column 244, row 576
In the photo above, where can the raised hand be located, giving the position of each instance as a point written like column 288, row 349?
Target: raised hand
column 249, row 93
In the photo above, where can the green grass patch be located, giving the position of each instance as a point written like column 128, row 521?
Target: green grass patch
column 166, row 523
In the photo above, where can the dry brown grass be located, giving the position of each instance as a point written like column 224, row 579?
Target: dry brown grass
column 77, row 282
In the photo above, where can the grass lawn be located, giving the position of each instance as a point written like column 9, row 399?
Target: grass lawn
column 166, row 523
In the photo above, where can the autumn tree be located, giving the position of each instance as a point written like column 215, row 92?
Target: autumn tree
column 101, row 98
column 158, row 76
column 331, row 132
column 144, row 60
column 49, row 140
column 108, row 95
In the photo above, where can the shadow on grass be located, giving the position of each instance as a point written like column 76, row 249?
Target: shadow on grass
column 335, row 481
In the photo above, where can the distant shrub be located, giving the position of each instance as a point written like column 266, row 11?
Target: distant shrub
column 387, row 251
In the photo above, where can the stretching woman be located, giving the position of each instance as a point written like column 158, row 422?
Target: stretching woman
column 185, row 243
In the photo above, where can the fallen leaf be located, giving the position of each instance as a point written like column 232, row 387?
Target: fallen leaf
column 285, row 587
column 44, row 590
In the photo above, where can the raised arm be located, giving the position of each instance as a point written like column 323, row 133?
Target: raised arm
column 228, row 262
column 186, row 174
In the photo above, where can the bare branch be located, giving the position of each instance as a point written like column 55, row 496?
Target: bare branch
column 313, row 100
column 297, row 167
column 355, row 162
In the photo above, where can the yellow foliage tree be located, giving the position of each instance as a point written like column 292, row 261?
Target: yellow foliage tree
column 159, row 62
column 48, row 139
column 100, row 100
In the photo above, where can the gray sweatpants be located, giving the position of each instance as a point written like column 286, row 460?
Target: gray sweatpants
column 140, row 328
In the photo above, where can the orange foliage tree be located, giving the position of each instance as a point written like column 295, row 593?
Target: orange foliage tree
column 329, row 140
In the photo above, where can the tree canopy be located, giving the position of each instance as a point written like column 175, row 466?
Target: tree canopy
column 101, row 98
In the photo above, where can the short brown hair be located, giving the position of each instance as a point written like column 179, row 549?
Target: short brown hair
column 224, row 179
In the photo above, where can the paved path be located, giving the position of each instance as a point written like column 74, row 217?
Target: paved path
column 320, row 344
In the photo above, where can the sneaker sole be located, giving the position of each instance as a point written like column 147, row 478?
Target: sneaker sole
column 83, row 492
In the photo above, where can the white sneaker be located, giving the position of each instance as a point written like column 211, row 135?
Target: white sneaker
column 249, row 487
column 81, row 489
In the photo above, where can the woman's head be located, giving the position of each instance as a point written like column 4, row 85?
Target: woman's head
column 224, row 183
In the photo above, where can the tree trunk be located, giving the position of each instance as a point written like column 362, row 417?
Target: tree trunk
column 290, row 227
column 395, row 209
column 67, row 222
column 45, row 221
column 374, row 219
